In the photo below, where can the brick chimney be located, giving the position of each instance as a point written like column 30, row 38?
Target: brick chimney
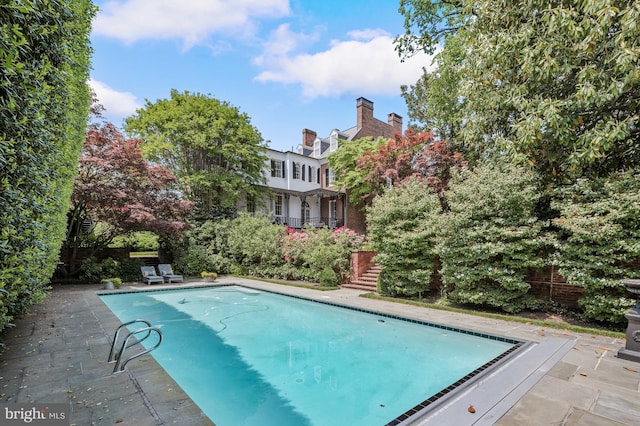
column 365, row 112
column 308, row 137
column 395, row 121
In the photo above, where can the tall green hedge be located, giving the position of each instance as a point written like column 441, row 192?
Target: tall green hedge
column 403, row 226
column 44, row 101
column 599, row 241
column 490, row 237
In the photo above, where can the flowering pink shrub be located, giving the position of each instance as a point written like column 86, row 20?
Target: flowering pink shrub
column 348, row 237
column 293, row 245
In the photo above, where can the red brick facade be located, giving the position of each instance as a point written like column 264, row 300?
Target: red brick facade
column 370, row 126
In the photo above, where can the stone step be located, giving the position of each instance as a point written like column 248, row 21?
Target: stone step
column 371, row 275
column 361, row 286
column 368, row 281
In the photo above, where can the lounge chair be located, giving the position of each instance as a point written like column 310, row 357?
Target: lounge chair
column 150, row 276
column 168, row 275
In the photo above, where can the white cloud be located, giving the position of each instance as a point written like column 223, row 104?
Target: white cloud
column 365, row 62
column 191, row 21
column 117, row 105
column 283, row 42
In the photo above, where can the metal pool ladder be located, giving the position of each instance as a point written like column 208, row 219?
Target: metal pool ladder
column 117, row 356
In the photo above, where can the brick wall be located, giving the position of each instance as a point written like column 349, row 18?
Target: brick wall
column 546, row 283
column 355, row 219
column 361, row 262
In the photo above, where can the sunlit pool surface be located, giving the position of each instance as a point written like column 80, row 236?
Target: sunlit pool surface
column 250, row 357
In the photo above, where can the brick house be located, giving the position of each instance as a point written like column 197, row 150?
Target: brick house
column 301, row 182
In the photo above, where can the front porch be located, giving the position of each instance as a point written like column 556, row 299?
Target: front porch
column 317, row 222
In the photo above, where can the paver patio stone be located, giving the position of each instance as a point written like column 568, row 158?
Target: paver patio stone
column 584, row 418
column 58, row 353
column 615, row 407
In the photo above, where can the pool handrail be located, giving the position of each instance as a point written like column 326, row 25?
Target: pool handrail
column 112, row 352
column 119, row 367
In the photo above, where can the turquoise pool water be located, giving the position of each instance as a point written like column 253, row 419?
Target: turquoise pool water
column 249, row 357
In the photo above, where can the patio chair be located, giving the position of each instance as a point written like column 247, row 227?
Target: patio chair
column 167, row 273
column 150, row 276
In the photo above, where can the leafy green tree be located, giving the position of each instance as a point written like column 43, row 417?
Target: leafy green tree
column 600, row 241
column 491, row 237
column 209, row 145
column 44, row 104
column 431, row 102
column 555, row 85
column 348, row 176
column 402, row 227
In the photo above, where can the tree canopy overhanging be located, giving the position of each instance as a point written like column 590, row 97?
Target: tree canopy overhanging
column 553, row 85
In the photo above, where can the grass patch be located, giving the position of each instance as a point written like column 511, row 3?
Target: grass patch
column 503, row 317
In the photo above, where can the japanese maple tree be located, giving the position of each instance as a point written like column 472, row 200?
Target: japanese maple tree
column 434, row 164
column 117, row 192
column 412, row 155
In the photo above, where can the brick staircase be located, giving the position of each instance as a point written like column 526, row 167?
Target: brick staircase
column 368, row 281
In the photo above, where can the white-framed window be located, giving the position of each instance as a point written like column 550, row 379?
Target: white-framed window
column 316, row 148
column 277, row 168
column 296, row 170
column 278, row 204
column 329, row 177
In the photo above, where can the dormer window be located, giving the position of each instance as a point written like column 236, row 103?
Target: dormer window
column 316, row 148
column 300, row 149
column 333, row 141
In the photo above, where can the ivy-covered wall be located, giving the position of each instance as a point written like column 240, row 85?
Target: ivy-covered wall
column 44, row 101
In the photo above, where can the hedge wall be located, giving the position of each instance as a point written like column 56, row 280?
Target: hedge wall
column 44, row 101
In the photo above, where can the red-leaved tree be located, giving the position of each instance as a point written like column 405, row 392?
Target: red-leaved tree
column 117, row 192
column 434, row 163
column 414, row 154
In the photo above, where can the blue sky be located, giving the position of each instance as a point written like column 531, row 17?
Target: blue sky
column 287, row 64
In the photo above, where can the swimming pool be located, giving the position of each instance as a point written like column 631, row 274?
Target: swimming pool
column 249, row 357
